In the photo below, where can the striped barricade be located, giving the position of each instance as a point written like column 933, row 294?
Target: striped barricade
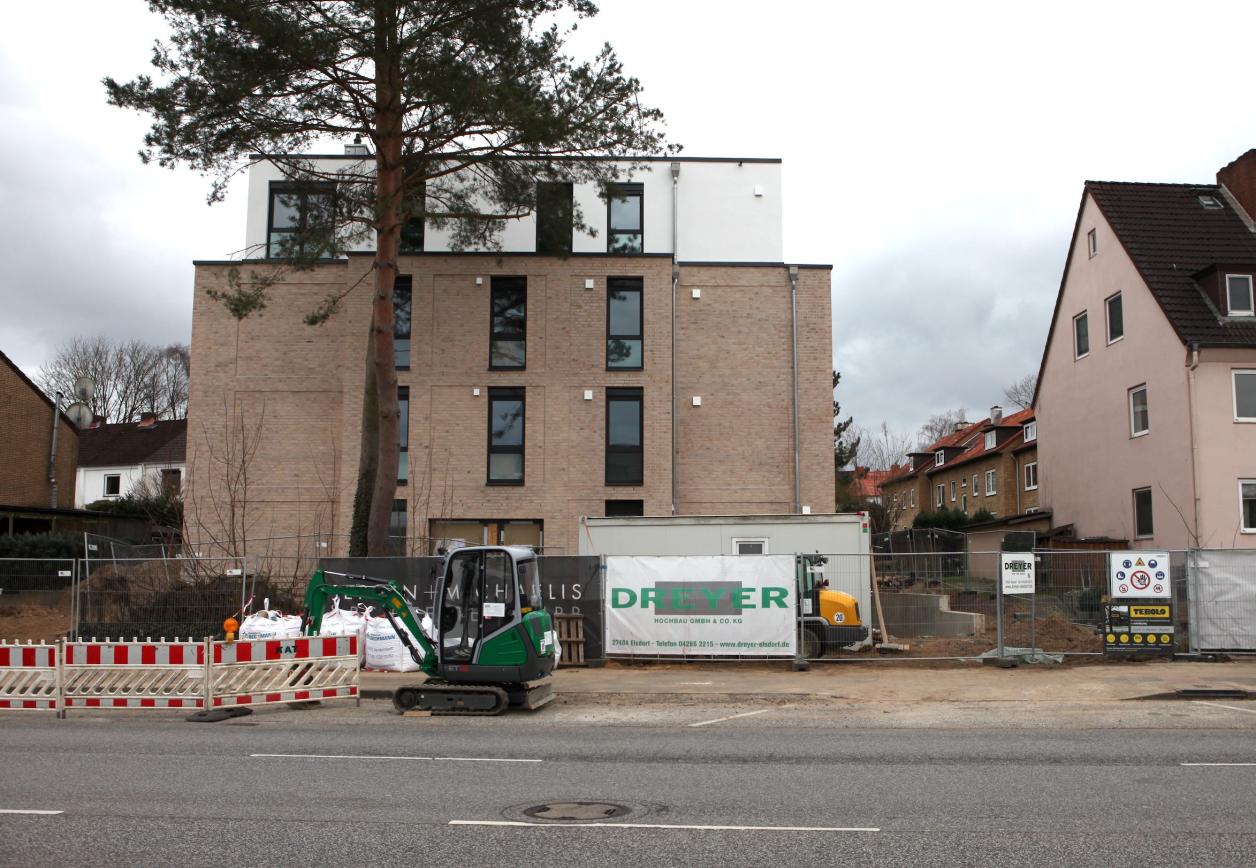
column 268, row 671
column 28, row 677
column 136, row 674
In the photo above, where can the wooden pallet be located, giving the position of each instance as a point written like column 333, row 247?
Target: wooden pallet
column 571, row 638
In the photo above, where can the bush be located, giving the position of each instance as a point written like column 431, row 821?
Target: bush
column 981, row 515
column 42, row 545
column 948, row 519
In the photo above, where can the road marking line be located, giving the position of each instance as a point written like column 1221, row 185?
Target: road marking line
column 517, row 823
column 734, row 716
column 460, row 759
column 28, row 811
column 1231, row 707
column 1217, row 764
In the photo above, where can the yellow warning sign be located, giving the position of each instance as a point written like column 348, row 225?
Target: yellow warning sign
column 1139, row 563
column 1149, row 611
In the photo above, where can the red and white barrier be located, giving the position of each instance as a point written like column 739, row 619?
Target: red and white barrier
column 28, row 677
column 268, row 671
column 178, row 674
column 148, row 674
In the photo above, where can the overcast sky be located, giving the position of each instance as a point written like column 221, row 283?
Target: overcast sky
column 933, row 153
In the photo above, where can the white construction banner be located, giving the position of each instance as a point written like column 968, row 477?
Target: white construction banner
column 1018, row 572
column 701, row 605
column 1139, row 575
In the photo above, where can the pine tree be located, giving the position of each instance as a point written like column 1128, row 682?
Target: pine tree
column 464, row 104
column 844, row 447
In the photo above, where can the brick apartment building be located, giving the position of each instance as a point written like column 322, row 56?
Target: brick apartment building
column 537, row 384
column 26, row 417
column 990, row 465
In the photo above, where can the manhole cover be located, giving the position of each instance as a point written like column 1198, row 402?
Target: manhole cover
column 577, row 811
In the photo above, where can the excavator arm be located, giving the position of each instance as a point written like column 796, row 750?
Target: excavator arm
column 386, row 597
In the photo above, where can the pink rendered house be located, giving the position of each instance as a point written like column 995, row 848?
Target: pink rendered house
column 1146, row 397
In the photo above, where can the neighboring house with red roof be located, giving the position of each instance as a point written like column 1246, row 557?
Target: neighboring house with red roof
column 989, row 465
column 114, row 457
column 862, row 484
column 1147, row 388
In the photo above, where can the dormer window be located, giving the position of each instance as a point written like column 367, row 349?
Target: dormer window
column 1031, row 432
column 939, row 458
column 990, row 439
column 1238, row 290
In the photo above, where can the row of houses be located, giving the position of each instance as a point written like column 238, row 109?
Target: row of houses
column 1143, row 426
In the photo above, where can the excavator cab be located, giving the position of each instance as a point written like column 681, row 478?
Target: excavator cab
column 492, row 627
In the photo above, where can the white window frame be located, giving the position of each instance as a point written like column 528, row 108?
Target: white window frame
column 1034, row 465
column 953, row 491
column 975, row 488
column 939, row 458
column 1251, row 297
column 1092, row 243
column 965, row 503
column 1234, row 389
column 756, row 540
column 939, row 495
column 1134, row 507
column 1243, row 528
column 1129, row 400
column 1107, row 318
column 104, row 486
column 991, row 438
column 992, row 482
column 913, row 498
column 1076, row 355
column 1031, row 431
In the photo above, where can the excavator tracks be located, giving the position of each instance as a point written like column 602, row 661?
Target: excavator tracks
column 473, row 700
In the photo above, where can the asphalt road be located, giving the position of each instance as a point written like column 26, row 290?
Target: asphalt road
column 361, row 786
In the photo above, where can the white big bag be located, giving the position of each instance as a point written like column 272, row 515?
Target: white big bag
column 385, row 650
column 269, row 623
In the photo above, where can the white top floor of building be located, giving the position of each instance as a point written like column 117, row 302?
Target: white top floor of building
column 723, row 209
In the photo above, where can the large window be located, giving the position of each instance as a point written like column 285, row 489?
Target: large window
column 1140, row 418
column 1238, row 290
column 1247, row 505
column 508, row 327
column 1116, row 318
column 1031, row 476
column 1245, row 396
column 1143, row 524
column 554, row 218
column 302, row 220
column 992, row 482
column 1081, row 335
column 991, row 438
column 403, row 435
column 403, row 290
column 624, row 219
column 624, row 430
column 623, row 323
column 397, row 529
column 505, row 436
column 113, row 485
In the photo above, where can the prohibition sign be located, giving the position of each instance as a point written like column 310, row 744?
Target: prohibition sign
column 1140, row 579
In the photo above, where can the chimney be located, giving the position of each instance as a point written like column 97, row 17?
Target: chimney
column 959, row 426
column 996, row 414
column 97, row 421
column 148, row 420
column 357, row 149
column 1239, row 180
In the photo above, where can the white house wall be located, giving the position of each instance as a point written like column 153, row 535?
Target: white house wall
column 729, row 212
column 90, row 481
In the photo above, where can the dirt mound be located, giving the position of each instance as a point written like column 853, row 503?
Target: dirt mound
column 33, row 623
column 1054, row 633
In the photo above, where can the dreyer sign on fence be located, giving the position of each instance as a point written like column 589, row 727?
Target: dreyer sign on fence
column 703, row 606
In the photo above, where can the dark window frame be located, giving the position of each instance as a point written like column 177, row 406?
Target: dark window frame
column 625, row 191
column 625, row 395
column 1151, row 513
column 1078, row 353
column 112, row 477
column 1107, row 312
column 403, row 433
column 403, row 283
column 397, row 545
column 545, row 233
column 503, row 283
column 626, row 284
column 511, row 393
column 303, row 189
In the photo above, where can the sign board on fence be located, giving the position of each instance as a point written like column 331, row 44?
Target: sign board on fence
column 1018, row 572
column 701, row 605
column 1139, row 575
column 1134, row 627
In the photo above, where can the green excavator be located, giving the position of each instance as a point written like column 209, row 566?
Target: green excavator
column 494, row 645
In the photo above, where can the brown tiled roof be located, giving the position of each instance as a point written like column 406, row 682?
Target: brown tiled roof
column 126, row 443
column 1170, row 237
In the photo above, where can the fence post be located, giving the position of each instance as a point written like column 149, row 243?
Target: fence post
column 209, row 674
column 999, row 607
column 60, row 676
column 1192, row 596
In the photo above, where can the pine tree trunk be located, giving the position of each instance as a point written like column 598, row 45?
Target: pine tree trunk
column 367, row 454
column 388, row 174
